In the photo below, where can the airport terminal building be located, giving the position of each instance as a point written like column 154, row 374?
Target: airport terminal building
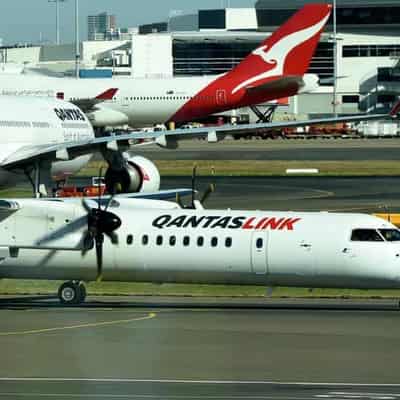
column 213, row 41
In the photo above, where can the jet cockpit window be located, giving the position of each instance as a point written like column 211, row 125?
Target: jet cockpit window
column 366, row 235
column 391, row 235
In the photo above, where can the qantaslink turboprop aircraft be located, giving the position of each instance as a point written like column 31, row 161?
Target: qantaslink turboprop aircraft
column 142, row 240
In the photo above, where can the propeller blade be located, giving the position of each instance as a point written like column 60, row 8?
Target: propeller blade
column 210, row 189
column 111, row 199
column 86, row 205
column 179, row 200
column 113, row 237
column 99, row 256
column 88, row 242
column 99, row 191
column 194, row 172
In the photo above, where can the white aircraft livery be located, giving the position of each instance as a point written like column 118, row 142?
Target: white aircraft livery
column 276, row 69
column 157, row 241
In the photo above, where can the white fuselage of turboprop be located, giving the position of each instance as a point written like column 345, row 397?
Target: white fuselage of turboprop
column 160, row 242
column 27, row 122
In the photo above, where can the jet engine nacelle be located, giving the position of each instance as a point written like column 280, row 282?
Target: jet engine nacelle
column 107, row 117
column 138, row 175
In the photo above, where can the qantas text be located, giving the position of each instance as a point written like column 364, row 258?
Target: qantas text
column 69, row 114
column 216, row 221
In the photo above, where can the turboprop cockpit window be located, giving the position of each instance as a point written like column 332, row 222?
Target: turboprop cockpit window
column 366, row 235
column 391, row 235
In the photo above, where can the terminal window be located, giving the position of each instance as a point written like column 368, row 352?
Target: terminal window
column 371, row 50
column 346, row 99
column 346, row 16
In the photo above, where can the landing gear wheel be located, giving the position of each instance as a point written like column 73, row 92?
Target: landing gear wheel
column 69, row 293
column 82, row 292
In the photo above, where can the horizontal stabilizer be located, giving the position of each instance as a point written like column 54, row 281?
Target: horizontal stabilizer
column 286, row 83
column 107, row 95
column 89, row 104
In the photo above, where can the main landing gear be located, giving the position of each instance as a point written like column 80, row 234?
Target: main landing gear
column 267, row 115
column 72, row 292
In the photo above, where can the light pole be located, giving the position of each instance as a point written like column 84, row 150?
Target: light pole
column 57, row 3
column 77, row 44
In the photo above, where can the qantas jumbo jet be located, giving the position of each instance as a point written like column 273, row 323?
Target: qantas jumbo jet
column 157, row 241
column 274, row 70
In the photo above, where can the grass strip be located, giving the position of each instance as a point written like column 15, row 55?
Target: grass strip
column 37, row 287
column 265, row 167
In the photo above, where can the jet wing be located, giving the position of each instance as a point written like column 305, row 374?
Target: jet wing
column 27, row 155
column 89, row 104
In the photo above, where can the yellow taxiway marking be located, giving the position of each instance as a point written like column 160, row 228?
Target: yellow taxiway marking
column 90, row 325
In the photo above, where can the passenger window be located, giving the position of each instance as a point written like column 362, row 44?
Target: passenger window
column 145, row 240
column 159, row 240
column 172, row 240
column 214, row 242
column 366, row 235
column 186, row 241
column 391, row 235
column 200, row 241
column 129, row 240
column 228, row 242
column 259, row 243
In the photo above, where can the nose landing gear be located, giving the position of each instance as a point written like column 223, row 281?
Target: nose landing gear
column 72, row 292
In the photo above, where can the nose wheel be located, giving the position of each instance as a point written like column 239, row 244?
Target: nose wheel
column 72, row 292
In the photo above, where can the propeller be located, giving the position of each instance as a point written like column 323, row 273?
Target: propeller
column 194, row 204
column 100, row 223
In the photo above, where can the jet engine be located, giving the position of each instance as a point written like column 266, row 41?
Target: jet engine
column 107, row 117
column 138, row 174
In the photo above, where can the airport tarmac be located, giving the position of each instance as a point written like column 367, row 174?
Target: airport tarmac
column 279, row 149
column 152, row 348
column 158, row 348
column 312, row 193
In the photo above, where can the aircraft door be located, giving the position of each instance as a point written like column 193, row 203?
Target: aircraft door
column 259, row 256
column 221, row 97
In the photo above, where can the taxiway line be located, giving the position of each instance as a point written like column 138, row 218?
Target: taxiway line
column 88, row 325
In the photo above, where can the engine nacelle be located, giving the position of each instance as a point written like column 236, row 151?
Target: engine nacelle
column 138, row 175
column 107, row 117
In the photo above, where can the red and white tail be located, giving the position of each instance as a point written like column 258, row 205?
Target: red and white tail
column 288, row 51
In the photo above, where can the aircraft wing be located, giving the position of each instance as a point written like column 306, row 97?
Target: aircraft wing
column 168, row 194
column 160, row 195
column 89, row 104
column 27, row 155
